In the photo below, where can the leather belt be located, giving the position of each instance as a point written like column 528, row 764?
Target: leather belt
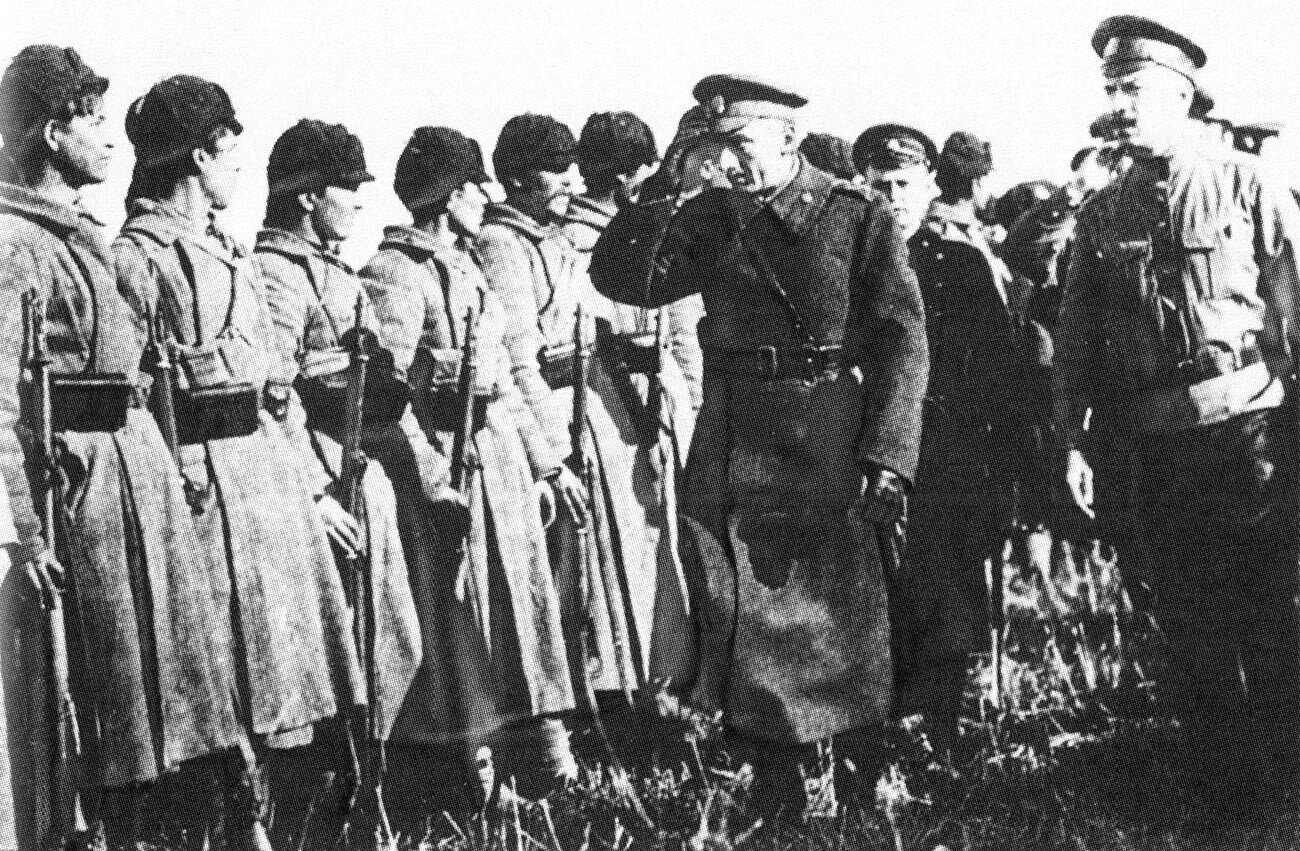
column 772, row 362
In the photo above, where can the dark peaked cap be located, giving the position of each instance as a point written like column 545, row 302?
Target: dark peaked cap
column 893, row 146
column 1126, row 42
column 733, row 100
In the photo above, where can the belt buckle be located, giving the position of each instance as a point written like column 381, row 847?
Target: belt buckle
column 768, row 362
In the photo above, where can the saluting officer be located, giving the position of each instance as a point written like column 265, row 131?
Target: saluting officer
column 815, row 366
column 257, row 511
column 1180, row 315
column 151, row 669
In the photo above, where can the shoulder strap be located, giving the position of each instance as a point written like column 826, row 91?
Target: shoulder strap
column 770, row 280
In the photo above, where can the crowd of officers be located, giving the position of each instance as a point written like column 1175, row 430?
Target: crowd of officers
column 265, row 503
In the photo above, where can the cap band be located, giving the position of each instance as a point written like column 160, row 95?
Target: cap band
column 1125, row 55
column 898, row 152
column 725, row 117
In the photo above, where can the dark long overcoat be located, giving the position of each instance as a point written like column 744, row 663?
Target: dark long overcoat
column 795, row 627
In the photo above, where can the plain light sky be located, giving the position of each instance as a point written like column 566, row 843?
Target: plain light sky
column 1019, row 73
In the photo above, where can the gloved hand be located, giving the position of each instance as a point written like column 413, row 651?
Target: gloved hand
column 883, row 497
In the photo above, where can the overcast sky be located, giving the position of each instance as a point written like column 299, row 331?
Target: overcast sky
column 1018, row 73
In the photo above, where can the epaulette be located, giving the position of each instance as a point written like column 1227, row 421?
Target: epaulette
column 866, row 193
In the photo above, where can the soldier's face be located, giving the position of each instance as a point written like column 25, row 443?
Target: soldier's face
column 82, row 148
column 1151, row 103
column 219, row 170
column 555, row 189
column 465, row 208
column 335, row 213
column 765, row 146
column 909, row 192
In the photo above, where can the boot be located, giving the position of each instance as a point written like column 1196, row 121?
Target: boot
column 123, row 818
column 247, row 806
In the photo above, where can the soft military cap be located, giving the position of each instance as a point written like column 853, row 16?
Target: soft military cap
column 1126, row 43
column 176, row 116
column 888, row 147
column 830, row 153
column 41, row 83
column 532, row 142
column 733, row 100
column 312, row 155
column 966, row 155
column 615, row 143
column 1017, row 200
column 435, row 163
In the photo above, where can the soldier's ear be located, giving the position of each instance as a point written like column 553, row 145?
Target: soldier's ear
column 50, row 134
column 793, row 137
column 308, row 201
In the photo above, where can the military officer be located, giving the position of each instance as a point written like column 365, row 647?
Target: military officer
column 148, row 643
column 899, row 162
column 815, row 365
column 1180, row 314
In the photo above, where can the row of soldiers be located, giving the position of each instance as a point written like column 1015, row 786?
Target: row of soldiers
column 654, row 433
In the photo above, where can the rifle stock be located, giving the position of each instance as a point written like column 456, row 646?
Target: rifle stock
column 48, row 579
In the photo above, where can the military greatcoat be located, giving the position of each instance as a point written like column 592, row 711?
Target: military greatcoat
column 539, row 277
column 656, row 414
column 493, row 642
column 254, row 509
column 149, row 643
column 312, row 300
column 795, row 585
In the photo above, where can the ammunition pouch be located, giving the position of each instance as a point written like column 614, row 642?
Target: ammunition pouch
column 440, row 409
column 559, row 365
column 325, row 399
column 216, row 413
column 91, row 402
column 638, row 354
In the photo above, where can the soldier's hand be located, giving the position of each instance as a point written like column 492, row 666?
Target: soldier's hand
column 570, row 492
column 1078, row 478
column 883, row 497
column 341, row 527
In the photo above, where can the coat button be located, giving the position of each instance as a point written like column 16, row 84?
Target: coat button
column 806, row 197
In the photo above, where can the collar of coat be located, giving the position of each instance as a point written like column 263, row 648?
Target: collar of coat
column 52, row 215
column 504, row 214
column 594, row 214
column 409, row 237
column 295, row 247
column 799, row 202
column 166, row 225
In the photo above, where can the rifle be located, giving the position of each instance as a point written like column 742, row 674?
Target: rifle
column 580, row 462
column 49, row 580
column 467, row 381
column 360, row 584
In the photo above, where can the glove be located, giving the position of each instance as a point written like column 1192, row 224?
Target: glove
column 883, row 498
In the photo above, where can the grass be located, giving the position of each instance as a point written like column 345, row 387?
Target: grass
column 1069, row 754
